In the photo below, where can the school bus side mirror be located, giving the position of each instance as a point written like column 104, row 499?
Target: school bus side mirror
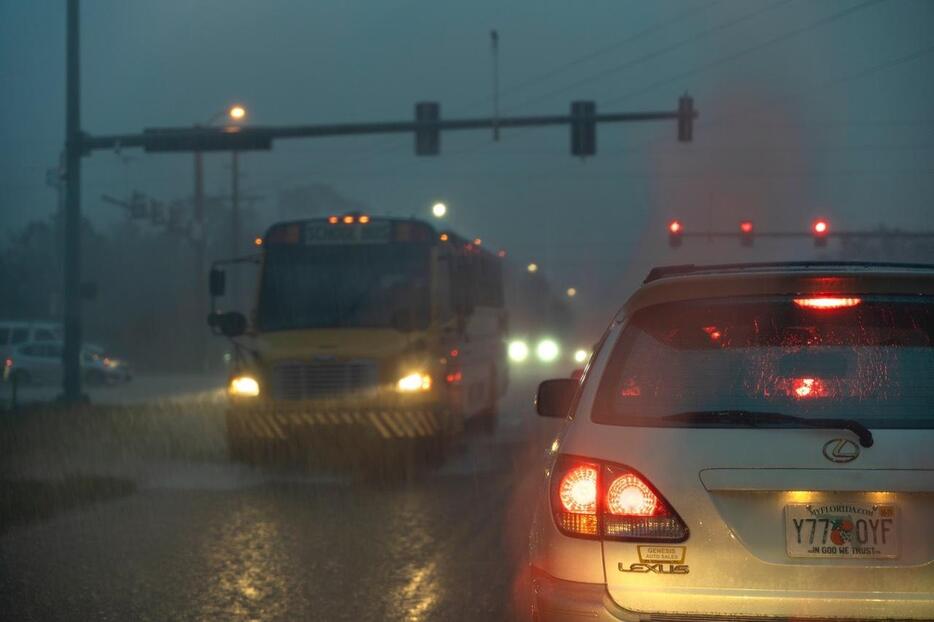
column 229, row 324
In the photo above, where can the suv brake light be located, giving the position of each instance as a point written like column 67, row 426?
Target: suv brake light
column 577, row 495
column 595, row 499
column 827, row 302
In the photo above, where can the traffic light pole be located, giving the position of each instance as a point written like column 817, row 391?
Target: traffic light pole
column 200, row 247
column 235, row 221
column 71, row 353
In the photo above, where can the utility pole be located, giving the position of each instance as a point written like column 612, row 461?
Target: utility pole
column 72, row 258
column 200, row 243
column 494, row 43
column 235, row 222
column 55, row 178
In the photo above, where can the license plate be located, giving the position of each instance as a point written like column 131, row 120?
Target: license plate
column 841, row 530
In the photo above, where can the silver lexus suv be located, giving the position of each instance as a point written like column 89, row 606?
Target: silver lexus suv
column 748, row 442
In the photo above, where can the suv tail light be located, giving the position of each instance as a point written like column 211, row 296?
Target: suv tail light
column 594, row 499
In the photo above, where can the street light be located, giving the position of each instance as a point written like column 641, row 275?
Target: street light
column 571, row 292
column 532, row 267
column 439, row 209
column 237, row 112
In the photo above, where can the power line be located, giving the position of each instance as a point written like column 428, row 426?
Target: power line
column 705, row 67
column 734, row 56
column 683, row 15
column 750, row 50
column 654, row 54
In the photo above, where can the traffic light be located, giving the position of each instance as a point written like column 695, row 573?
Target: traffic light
column 686, row 114
column 674, row 233
column 583, row 128
column 820, row 228
column 427, row 139
column 746, row 233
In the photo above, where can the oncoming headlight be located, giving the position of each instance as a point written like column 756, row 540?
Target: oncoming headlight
column 547, row 350
column 243, row 386
column 518, row 351
column 414, row 382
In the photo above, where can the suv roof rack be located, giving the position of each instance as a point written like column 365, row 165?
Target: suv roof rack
column 662, row 272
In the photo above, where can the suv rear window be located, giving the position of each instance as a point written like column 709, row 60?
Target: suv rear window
column 869, row 359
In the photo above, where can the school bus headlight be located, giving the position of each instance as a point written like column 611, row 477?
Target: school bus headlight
column 414, row 382
column 243, row 386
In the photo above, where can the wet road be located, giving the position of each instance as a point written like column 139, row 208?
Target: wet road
column 209, row 539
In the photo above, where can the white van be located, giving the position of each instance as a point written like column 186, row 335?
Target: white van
column 14, row 333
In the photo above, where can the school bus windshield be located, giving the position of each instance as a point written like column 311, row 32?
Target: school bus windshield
column 355, row 285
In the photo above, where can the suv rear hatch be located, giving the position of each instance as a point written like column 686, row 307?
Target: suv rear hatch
column 784, row 518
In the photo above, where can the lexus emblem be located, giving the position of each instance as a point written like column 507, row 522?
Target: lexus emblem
column 841, row 450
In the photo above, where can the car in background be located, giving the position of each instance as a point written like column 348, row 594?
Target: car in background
column 40, row 363
column 15, row 333
column 115, row 369
column 748, row 442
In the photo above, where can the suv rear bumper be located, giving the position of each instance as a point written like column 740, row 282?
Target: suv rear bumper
column 557, row 600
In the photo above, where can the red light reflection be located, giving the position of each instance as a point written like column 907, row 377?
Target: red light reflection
column 803, row 388
column 630, row 389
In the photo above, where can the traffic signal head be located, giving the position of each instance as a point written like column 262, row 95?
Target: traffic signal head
column 820, row 228
column 745, row 232
column 674, row 233
column 428, row 138
column 583, row 128
column 686, row 115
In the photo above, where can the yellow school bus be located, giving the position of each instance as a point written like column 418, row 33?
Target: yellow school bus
column 383, row 328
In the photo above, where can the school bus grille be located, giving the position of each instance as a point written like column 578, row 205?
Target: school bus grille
column 299, row 380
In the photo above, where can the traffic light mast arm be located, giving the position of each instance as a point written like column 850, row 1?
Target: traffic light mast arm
column 344, row 129
column 259, row 137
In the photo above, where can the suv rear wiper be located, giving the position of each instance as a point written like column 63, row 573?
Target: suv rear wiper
column 753, row 418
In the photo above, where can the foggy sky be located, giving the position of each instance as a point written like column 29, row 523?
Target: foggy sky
column 800, row 116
